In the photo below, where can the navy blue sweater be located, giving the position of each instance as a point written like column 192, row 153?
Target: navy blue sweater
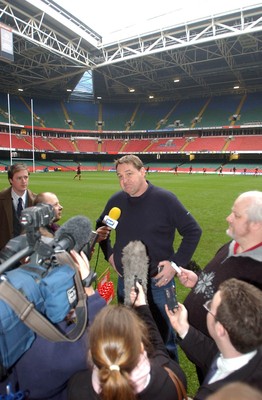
column 153, row 218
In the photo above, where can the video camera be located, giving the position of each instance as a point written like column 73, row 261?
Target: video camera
column 44, row 289
column 37, row 216
column 76, row 233
column 32, row 218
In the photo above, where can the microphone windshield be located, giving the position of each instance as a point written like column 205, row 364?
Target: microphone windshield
column 77, row 230
column 115, row 213
column 135, row 265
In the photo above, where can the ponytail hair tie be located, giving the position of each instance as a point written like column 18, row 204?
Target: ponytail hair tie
column 114, row 367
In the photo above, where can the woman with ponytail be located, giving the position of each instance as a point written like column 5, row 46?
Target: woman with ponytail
column 127, row 357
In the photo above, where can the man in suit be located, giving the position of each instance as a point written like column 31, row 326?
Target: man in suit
column 234, row 322
column 17, row 195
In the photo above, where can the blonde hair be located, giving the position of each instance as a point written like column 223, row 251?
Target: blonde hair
column 115, row 338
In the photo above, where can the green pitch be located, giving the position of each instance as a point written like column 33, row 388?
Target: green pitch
column 209, row 198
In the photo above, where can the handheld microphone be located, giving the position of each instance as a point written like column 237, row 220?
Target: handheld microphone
column 73, row 234
column 111, row 220
column 135, row 265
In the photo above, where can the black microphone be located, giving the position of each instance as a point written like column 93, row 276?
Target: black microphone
column 111, row 220
column 135, row 265
column 73, row 234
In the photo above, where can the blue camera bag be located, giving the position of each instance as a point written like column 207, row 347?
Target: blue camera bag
column 50, row 293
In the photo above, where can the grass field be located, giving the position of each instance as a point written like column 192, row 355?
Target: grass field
column 209, row 198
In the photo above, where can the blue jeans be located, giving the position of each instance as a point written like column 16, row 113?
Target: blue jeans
column 157, row 299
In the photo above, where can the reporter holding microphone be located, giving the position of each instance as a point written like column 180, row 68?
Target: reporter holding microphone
column 127, row 357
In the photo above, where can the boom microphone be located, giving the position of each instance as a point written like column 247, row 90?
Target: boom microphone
column 111, row 220
column 135, row 265
column 73, row 234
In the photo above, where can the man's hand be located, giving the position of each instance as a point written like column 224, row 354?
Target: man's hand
column 187, row 278
column 178, row 319
column 103, row 233
column 166, row 273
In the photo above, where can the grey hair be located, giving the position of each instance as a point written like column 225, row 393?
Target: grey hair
column 254, row 209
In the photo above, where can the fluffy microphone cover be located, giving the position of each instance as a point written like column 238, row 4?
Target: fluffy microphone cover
column 135, row 264
column 78, row 228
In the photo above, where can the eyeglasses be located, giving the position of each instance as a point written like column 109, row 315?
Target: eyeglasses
column 207, row 306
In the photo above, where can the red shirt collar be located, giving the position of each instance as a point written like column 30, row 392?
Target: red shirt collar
column 236, row 246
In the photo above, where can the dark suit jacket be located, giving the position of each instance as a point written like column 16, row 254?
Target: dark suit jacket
column 201, row 350
column 6, row 214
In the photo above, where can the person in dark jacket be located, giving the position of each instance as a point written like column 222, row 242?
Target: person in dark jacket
column 128, row 357
column 151, row 215
column 234, row 322
column 240, row 258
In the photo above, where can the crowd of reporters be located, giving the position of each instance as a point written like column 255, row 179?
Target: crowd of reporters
column 122, row 354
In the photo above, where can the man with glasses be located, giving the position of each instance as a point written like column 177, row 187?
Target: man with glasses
column 240, row 258
column 233, row 351
column 13, row 200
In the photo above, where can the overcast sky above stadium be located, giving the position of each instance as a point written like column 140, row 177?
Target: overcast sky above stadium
column 115, row 19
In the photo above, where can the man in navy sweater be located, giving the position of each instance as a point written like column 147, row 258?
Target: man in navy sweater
column 152, row 215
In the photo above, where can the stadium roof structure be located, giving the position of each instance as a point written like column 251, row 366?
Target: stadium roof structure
column 202, row 58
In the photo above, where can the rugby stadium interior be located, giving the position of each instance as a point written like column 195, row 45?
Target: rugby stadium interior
column 187, row 95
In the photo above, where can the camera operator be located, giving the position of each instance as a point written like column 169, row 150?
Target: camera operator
column 50, row 229
column 47, row 230
column 16, row 251
column 46, row 367
column 50, row 198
